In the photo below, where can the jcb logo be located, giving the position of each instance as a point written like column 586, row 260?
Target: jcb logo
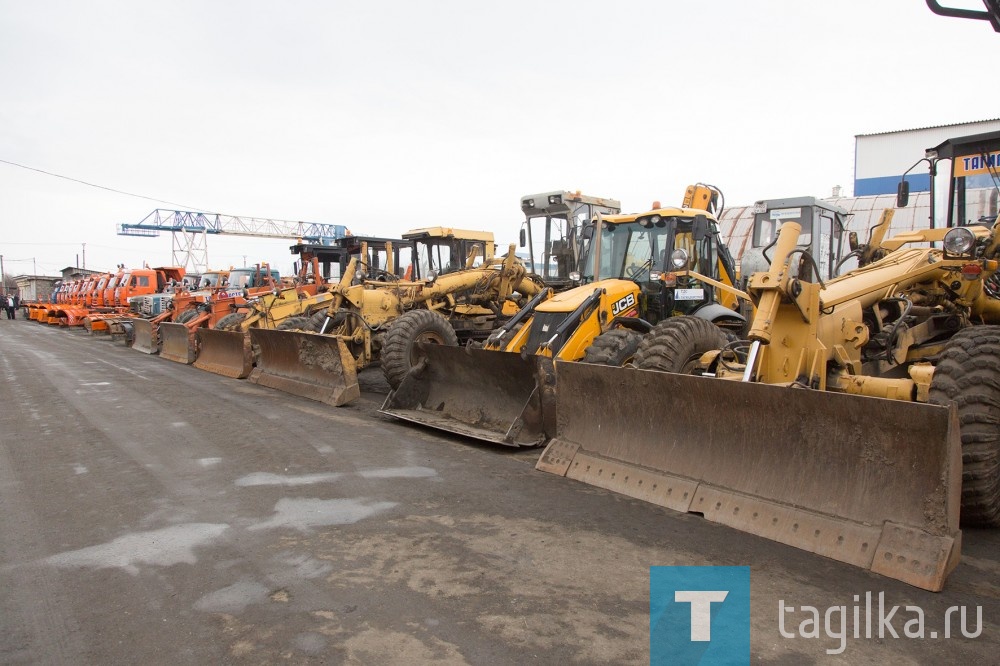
column 622, row 304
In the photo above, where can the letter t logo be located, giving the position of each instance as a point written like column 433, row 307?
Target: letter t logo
column 701, row 610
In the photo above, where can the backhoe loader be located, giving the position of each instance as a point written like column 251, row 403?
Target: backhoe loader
column 639, row 269
column 861, row 412
column 384, row 321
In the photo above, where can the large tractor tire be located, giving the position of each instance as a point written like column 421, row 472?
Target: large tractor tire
column 296, row 324
column 616, row 347
column 185, row 316
column 968, row 374
column 676, row 344
column 230, row 322
column 400, row 350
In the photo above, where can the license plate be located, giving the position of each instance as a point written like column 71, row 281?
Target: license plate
column 689, row 294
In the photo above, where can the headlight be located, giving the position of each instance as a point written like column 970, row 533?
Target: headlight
column 574, row 276
column 654, row 276
column 679, row 258
column 555, row 199
column 959, row 241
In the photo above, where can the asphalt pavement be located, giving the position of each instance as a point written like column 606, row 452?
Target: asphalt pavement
column 153, row 513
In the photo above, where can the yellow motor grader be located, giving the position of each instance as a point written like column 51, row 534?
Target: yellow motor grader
column 387, row 319
column 860, row 414
column 639, row 269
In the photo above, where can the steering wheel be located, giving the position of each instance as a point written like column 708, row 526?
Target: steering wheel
column 635, row 270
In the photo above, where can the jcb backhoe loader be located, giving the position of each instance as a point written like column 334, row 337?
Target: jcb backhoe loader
column 384, row 321
column 861, row 416
column 639, row 270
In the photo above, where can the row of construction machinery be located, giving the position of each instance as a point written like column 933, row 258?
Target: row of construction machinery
column 861, row 403
column 861, row 406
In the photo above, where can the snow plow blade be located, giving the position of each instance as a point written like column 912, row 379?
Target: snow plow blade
column 319, row 367
column 177, row 343
column 497, row 397
column 225, row 353
column 871, row 482
column 145, row 336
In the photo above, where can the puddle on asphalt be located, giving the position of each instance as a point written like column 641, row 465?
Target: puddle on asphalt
column 163, row 547
column 232, row 599
column 268, row 479
column 304, row 513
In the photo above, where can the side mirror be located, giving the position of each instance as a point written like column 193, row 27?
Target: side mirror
column 523, row 237
column 852, row 241
column 588, row 231
column 902, row 194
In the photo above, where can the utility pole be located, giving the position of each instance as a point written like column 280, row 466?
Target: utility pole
column 244, row 261
column 84, row 256
column 3, row 276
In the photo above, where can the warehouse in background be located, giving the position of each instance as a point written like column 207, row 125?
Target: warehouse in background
column 880, row 160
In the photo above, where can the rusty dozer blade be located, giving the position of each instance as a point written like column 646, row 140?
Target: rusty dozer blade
column 177, row 343
column 144, row 336
column 493, row 396
column 314, row 366
column 872, row 482
column 224, row 353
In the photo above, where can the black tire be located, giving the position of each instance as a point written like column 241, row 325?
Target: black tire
column 676, row 344
column 400, row 351
column 230, row 322
column 615, row 347
column 968, row 374
column 296, row 324
column 185, row 316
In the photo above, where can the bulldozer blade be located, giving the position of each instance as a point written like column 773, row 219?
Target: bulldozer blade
column 145, row 336
column 177, row 343
column 872, row 482
column 319, row 367
column 225, row 353
column 493, row 396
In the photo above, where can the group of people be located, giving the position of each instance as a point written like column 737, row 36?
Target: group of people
column 10, row 304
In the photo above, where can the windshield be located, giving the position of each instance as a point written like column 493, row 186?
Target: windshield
column 439, row 257
column 629, row 250
column 240, row 279
column 974, row 171
column 209, row 280
column 550, row 246
column 125, row 279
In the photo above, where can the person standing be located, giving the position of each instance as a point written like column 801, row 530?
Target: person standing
column 17, row 303
column 9, row 302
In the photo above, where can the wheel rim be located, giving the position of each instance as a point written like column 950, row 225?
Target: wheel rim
column 430, row 337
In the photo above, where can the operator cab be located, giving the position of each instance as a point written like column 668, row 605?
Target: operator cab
column 551, row 232
column 440, row 250
column 822, row 239
column 657, row 251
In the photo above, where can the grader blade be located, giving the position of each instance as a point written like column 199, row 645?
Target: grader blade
column 496, row 397
column 872, row 482
column 144, row 336
column 319, row 367
column 225, row 353
column 177, row 343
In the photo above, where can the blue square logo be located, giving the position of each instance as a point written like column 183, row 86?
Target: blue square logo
column 699, row 616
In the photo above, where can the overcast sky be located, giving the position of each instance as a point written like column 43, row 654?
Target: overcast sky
column 386, row 116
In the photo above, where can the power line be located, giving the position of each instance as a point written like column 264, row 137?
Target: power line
column 102, row 187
